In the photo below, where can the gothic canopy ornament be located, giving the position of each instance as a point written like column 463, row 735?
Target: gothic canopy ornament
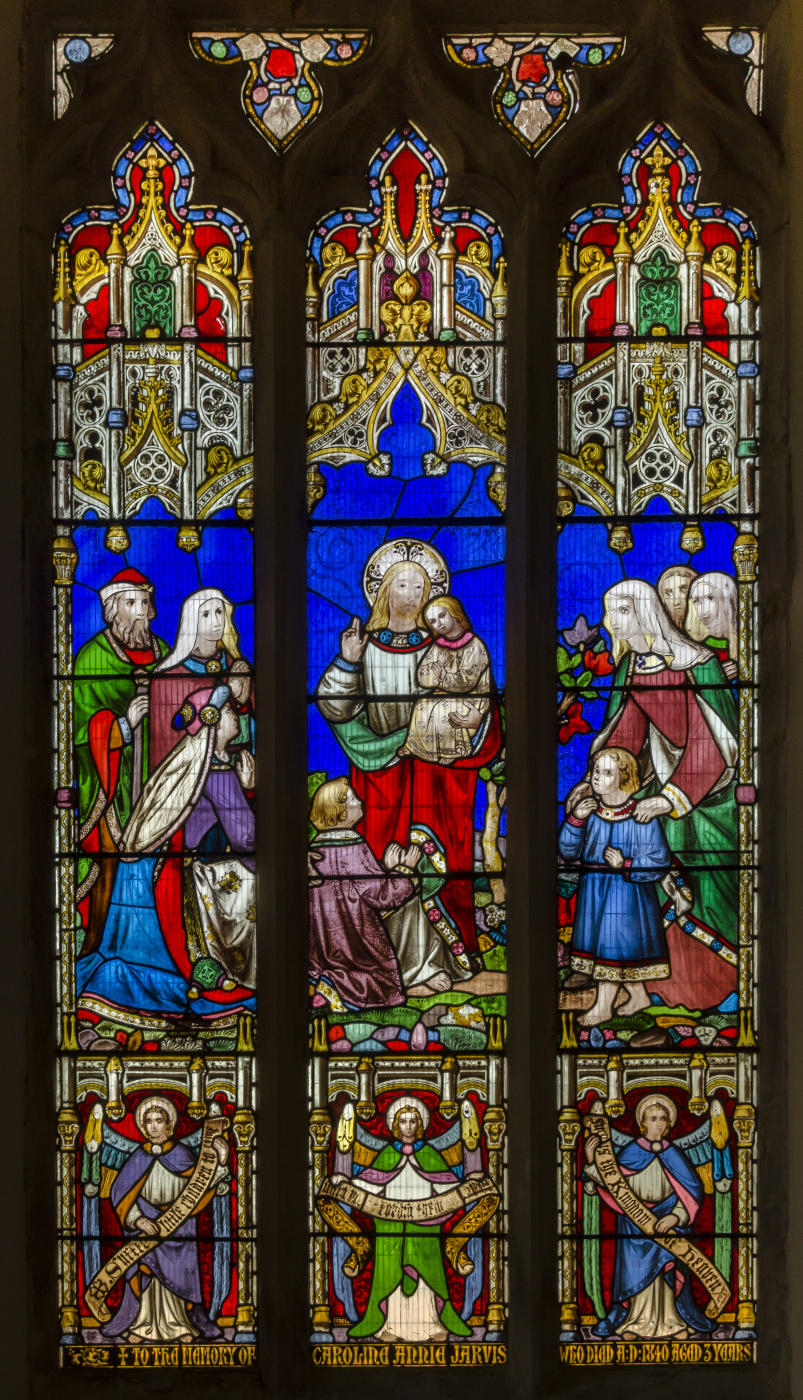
column 280, row 93
column 406, row 305
column 157, row 293
column 536, row 92
column 657, row 323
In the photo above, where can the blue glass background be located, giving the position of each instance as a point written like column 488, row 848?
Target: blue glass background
column 444, row 510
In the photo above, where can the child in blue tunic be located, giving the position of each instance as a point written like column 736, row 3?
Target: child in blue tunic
column 618, row 935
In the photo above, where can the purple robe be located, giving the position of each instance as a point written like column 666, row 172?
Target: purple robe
column 173, row 1261
column 347, row 944
column 223, row 801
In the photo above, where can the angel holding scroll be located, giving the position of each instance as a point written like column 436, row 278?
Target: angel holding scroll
column 163, row 1300
column 651, row 1294
column 398, row 1183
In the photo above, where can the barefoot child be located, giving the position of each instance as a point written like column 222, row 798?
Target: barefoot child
column 618, row 935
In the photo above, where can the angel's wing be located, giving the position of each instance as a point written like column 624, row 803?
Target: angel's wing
column 697, row 1144
column 449, row 1145
column 698, row 1148
column 709, row 1149
column 366, row 1146
column 115, row 1149
column 619, row 1139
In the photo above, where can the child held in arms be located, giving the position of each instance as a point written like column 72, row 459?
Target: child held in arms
column 618, row 936
column 456, row 669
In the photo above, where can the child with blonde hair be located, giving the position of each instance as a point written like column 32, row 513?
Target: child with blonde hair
column 456, row 670
column 618, row 936
column 351, row 958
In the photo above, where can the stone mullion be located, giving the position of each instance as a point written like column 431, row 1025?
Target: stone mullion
column 245, row 1320
column 65, row 559
column 321, row 1133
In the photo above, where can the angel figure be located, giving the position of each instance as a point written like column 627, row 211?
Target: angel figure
column 163, row 1300
column 409, row 1299
column 651, row 1294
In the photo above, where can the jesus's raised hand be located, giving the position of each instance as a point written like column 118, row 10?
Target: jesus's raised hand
column 352, row 645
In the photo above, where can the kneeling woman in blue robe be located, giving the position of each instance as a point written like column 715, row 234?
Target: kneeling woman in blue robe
column 618, row 935
column 142, row 964
column 652, row 1293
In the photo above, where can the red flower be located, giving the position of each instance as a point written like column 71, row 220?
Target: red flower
column 572, row 723
column 532, row 68
column 598, row 663
column 281, row 63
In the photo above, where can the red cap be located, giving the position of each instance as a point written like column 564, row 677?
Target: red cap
column 132, row 576
column 127, row 578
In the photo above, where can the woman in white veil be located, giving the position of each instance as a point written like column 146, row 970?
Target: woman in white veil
column 207, row 644
column 207, row 637
column 636, row 620
column 713, row 616
column 670, row 706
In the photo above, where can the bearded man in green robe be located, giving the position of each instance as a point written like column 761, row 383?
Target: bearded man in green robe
column 409, row 1300
column 111, row 739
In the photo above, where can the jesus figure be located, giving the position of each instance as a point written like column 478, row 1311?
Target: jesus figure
column 367, row 694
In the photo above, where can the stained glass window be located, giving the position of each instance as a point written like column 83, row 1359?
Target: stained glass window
column 658, row 319
column 69, row 51
column 155, row 731
column 437, row 1187
column 406, row 312
column 536, row 91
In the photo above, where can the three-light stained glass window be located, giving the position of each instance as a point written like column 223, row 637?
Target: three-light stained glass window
column 405, row 301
